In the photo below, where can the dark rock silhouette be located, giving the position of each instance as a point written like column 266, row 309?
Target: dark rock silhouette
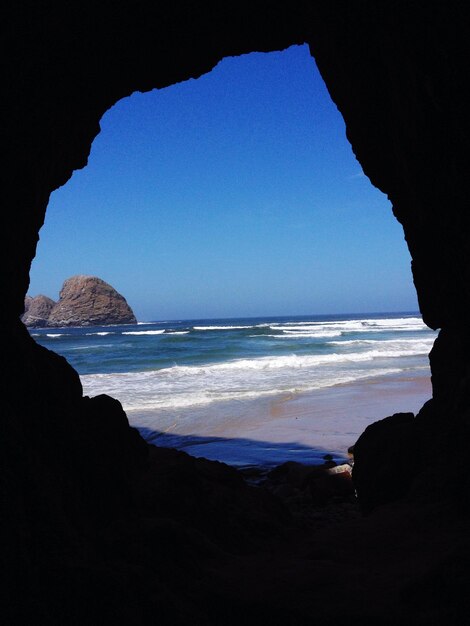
column 96, row 527
column 385, row 460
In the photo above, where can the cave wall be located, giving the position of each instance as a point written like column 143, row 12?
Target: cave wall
column 396, row 71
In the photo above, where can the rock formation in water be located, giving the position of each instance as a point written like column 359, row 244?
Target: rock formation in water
column 89, row 301
column 37, row 311
column 98, row 527
column 83, row 301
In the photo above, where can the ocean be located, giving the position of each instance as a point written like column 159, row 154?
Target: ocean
column 254, row 391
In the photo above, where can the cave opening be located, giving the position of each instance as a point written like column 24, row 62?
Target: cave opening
column 99, row 527
column 270, row 280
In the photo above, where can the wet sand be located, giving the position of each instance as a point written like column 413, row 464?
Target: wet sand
column 273, row 429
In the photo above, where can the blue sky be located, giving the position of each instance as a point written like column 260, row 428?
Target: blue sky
column 236, row 194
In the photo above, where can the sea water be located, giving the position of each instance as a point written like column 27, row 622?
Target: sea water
column 190, row 376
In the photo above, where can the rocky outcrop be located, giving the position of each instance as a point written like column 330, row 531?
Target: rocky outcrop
column 385, row 457
column 83, row 301
column 37, row 311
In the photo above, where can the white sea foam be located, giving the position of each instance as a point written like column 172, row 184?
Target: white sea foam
column 192, row 385
column 396, row 321
column 54, row 335
column 301, row 361
column 361, row 325
column 141, row 391
column 176, row 332
column 108, row 332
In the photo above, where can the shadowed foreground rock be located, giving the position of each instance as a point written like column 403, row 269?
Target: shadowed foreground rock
column 385, row 458
column 133, row 534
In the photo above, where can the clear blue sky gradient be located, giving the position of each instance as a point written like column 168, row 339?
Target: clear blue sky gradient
column 236, row 194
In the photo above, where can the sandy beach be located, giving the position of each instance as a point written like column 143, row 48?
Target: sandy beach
column 273, row 429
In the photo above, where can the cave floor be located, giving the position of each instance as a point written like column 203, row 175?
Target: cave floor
column 219, row 552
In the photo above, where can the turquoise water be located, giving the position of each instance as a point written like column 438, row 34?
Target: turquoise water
column 199, row 376
column 193, row 362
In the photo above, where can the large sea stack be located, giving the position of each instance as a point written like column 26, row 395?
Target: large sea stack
column 89, row 301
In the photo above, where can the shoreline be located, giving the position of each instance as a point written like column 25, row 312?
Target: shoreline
column 301, row 427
